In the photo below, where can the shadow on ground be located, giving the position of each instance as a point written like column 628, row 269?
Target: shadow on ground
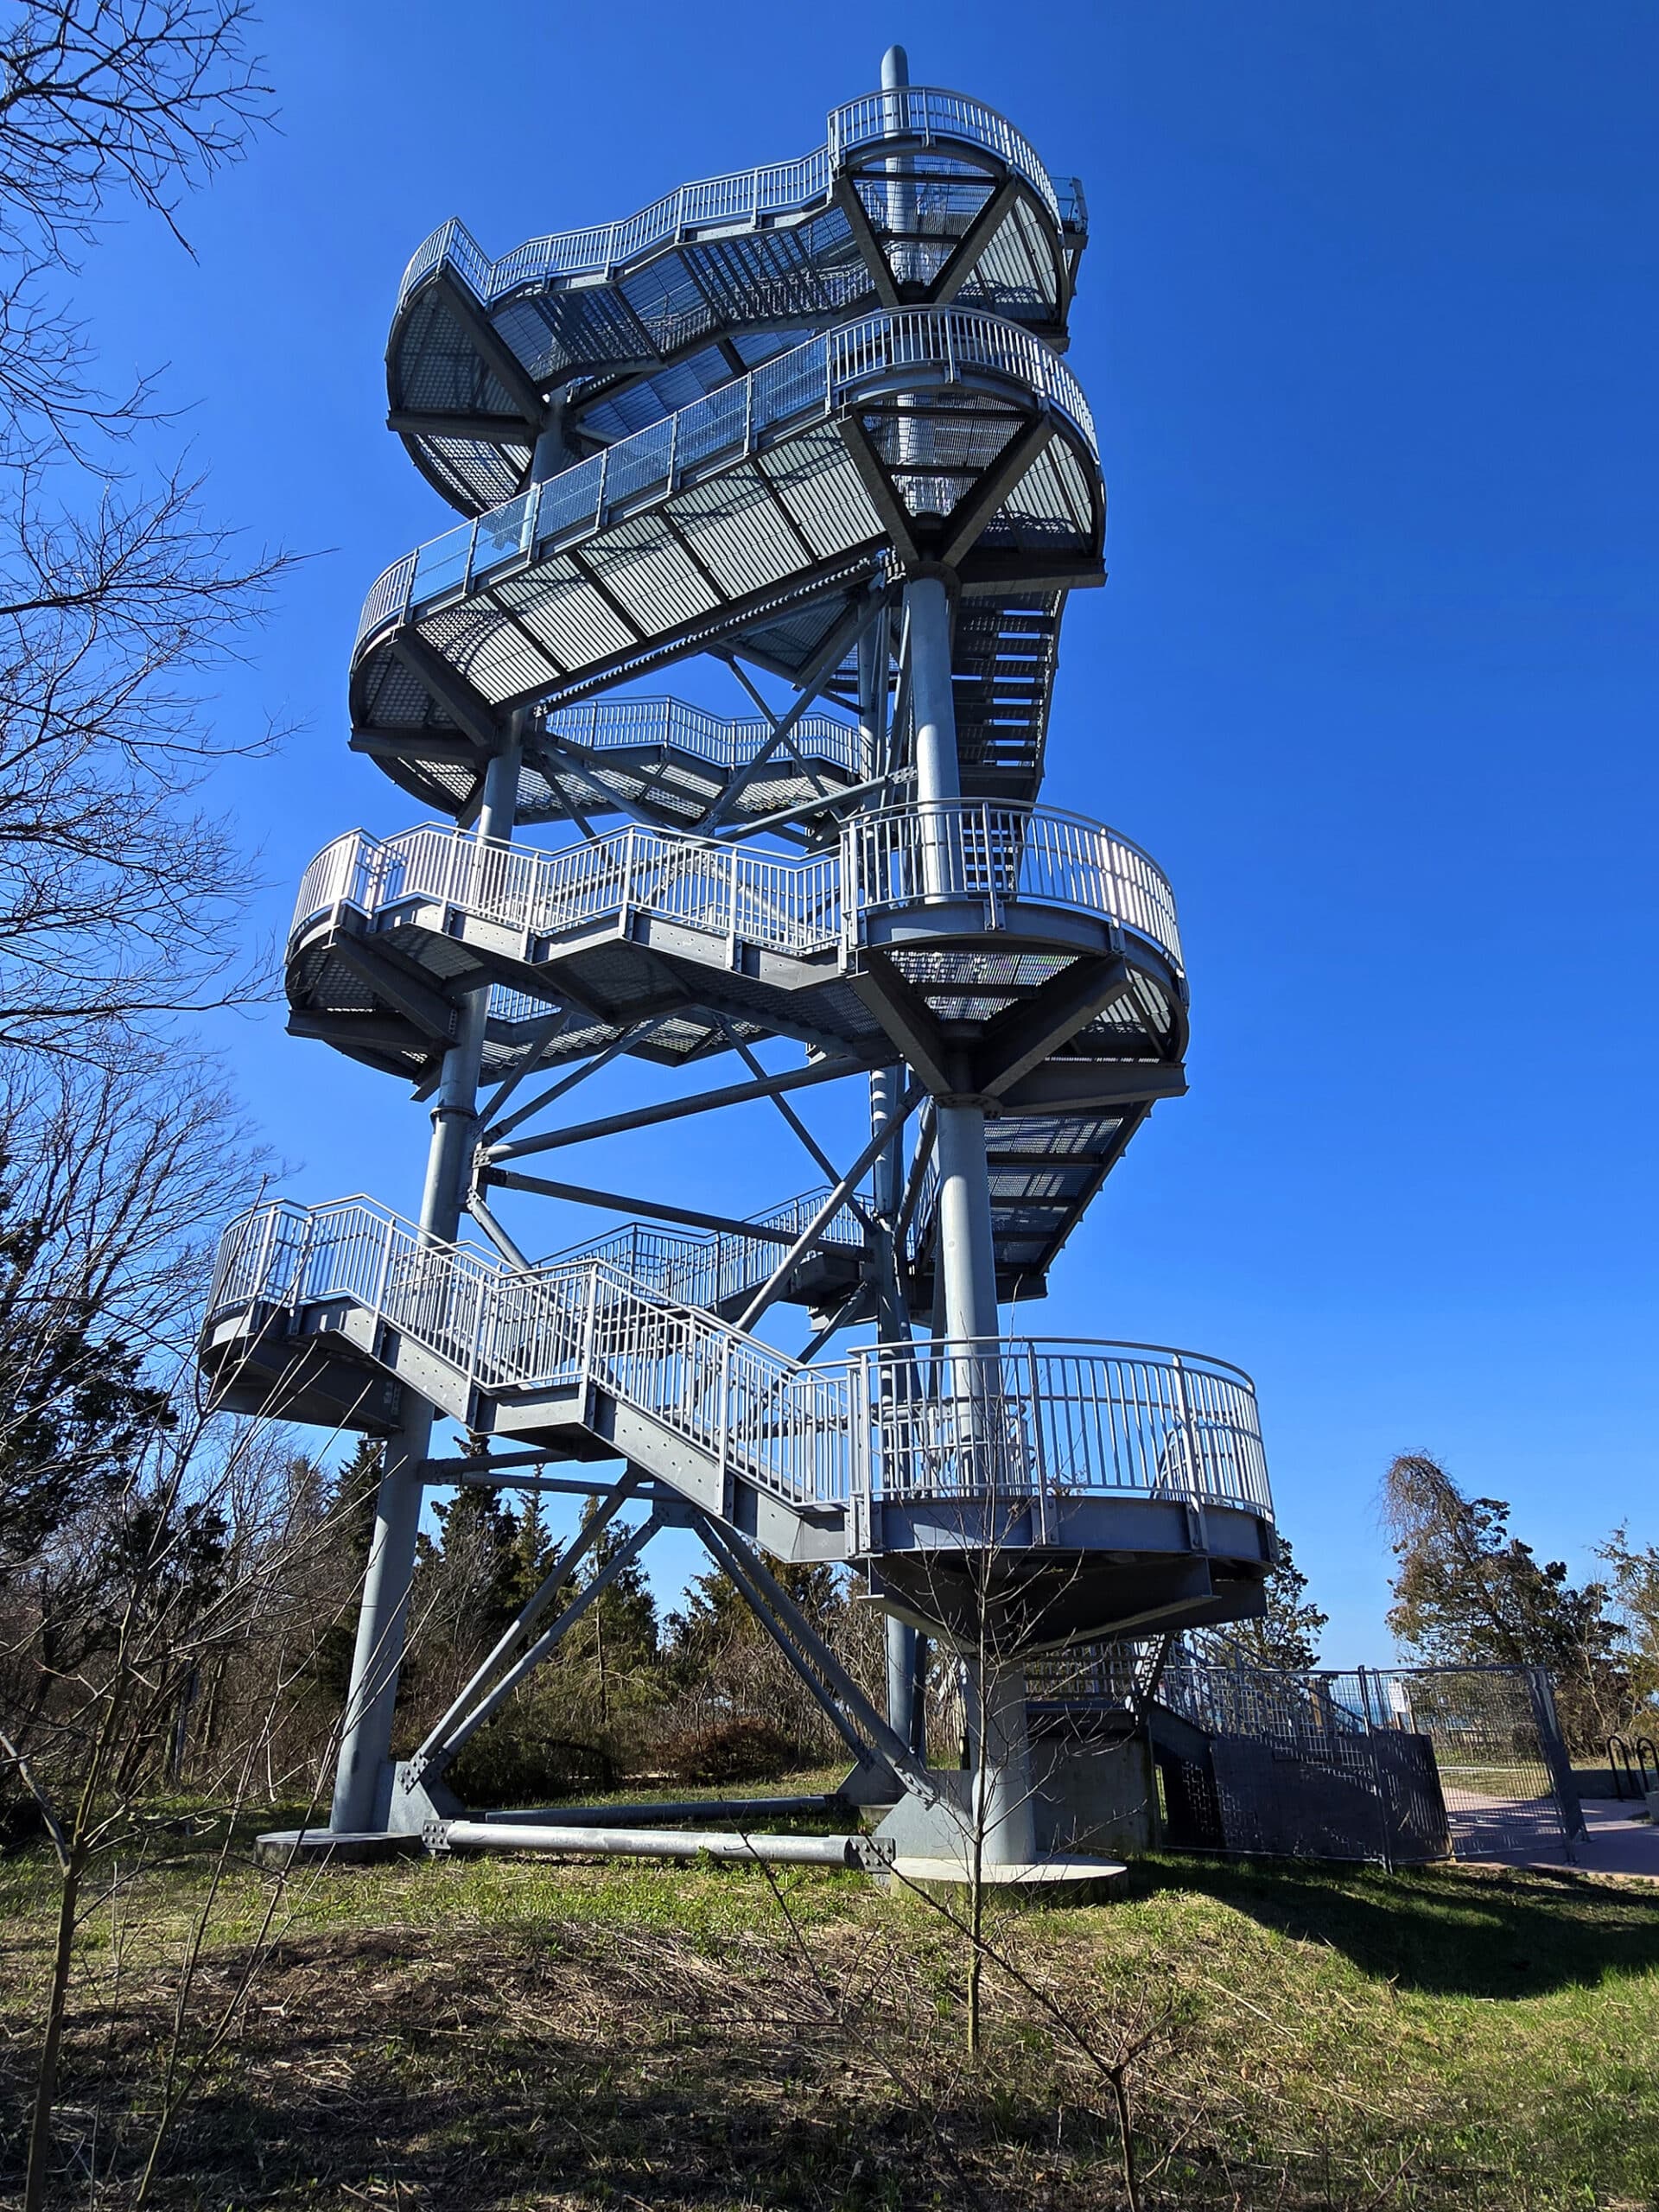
column 1445, row 1931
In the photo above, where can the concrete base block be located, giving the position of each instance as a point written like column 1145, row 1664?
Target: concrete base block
column 1060, row 1881
column 1097, row 1800
column 282, row 1848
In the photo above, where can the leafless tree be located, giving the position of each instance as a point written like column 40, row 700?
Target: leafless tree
column 193, row 1561
column 112, row 1182
column 118, row 594
column 167, row 1576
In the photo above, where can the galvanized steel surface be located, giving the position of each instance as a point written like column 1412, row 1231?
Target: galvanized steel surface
column 1020, row 1419
column 916, row 111
column 999, row 856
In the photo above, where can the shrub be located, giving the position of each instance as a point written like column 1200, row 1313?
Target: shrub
column 519, row 1767
column 730, row 1750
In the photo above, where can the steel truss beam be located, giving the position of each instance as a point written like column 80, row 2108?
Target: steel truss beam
column 674, row 1110
column 810, row 1237
column 846, row 795
column 814, row 1150
column 636, row 1033
column 855, row 1719
column 786, row 740
column 579, row 1194
column 813, row 677
column 868, row 1736
column 474, row 1705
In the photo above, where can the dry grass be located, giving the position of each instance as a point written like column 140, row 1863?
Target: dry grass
column 514, row 2034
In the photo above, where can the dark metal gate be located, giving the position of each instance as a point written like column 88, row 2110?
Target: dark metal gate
column 1396, row 1765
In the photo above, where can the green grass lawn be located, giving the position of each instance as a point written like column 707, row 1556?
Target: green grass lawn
column 502, row 2033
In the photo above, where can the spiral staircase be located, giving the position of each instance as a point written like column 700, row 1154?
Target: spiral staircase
column 811, row 421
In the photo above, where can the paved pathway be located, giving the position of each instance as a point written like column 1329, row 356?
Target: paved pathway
column 1616, row 1843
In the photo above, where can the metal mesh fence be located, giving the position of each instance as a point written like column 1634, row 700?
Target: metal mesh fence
column 1503, row 1770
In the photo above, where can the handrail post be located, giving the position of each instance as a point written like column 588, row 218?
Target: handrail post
column 481, row 1281
column 267, row 1236
column 304, row 1260
column 384, row 1270
column 590, row 1329
column 852, row 876
column 724, row 1454
column 1187, row 1431
column 862, row 1473
column 1045, row 1531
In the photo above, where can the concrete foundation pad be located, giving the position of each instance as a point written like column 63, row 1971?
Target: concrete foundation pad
column 1033, row 1881
column 281, row 1847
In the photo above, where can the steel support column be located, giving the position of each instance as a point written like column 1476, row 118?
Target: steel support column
column 999, row 1757
column 360, row 1800
column 363, row 1775
column 905, row 1647
column 966, row 1260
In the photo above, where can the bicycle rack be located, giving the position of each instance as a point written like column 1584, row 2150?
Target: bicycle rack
column 1621, row 1766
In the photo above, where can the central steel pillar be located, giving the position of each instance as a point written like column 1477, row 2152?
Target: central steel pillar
column 901, row 192
column 906, row 1648
column 966, row 1260
column 1000, row 1809
column 999, row 1760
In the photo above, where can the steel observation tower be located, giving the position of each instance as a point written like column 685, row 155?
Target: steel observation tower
column 814, row 421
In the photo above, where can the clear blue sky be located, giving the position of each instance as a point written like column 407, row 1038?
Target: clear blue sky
column 1370, row 325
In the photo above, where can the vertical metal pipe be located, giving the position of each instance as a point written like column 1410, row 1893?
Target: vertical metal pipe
column 905, row 1647
column 933, row 710
column 362, row 1790
column 362, row 1782
column 914, row 440
column 966, row 1254
column 901, row 191
column 927, row 605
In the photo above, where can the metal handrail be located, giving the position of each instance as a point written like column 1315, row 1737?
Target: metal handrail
column 693, row 1267
column 1019, row 1418
column 917, row 347
column 994, row 856
column 673, row 725
column 750, row 195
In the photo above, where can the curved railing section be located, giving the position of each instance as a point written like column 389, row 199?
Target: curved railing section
column 916, row 113
column 912, row 348
column 997, row 857
column 1051, row 1420
column 1006, row 856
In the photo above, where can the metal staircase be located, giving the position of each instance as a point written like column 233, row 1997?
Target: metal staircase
column 711, row 279
column 813, row 422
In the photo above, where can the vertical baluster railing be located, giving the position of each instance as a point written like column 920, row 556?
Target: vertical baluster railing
column 1038, row 1404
